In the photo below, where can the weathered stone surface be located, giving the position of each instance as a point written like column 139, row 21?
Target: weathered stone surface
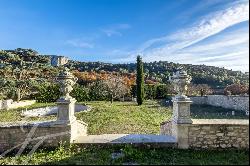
column 232, row 102
column 9, row 104
column 166, row 128
column 181, row 111
column 212, row 133
column 48, row 133
column 125, row 138
column 46, row 111
column 217, row 134
column 15, row 134
column 181, row 103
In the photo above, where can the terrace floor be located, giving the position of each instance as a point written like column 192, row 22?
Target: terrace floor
column 140, row 139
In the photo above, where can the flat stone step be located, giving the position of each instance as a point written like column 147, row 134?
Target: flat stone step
column 127, row 139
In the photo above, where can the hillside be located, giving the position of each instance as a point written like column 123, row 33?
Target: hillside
column 38, row 67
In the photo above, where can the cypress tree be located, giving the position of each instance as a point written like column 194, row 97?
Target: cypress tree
column 139, row 81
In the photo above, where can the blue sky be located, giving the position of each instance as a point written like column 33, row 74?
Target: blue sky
column 210, row 32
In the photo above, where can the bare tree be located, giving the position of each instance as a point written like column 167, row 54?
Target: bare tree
column 204, row 89
column 199, row 89
column 116, row 87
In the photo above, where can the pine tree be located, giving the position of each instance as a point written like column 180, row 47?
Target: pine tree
column 140, row 81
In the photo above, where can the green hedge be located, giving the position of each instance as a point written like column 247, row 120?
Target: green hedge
column 80, row 93
column 155, row 91
column 47, row 93
column 95, row 92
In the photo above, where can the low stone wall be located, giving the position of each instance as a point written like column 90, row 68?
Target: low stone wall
column 79, row 128
column 166, row 128
column 219, row 134
column 49, row 133
column 199, row 100
column 9, row 104
column 13, row 136
column 231, row 102
column 209, row 133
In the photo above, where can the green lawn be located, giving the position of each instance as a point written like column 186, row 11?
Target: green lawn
column 126, row 117
column 104, row 117
column 13, row 115
column 144, row 156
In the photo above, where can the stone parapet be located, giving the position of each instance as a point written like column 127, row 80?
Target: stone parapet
column 231, row 102
column 15, row 135
column 209, row 133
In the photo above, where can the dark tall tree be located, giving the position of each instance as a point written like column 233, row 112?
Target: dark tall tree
column 140, row 81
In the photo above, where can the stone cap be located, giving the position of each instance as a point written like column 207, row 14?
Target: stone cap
column 221, row 121
column 31, row 124
column 182, row 100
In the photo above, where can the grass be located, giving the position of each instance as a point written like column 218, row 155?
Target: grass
column 119, row 117
column 127, row 117
column 14, row 115
column 124, row 117
column 144, row 156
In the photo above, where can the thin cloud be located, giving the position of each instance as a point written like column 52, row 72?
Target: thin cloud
column 79, row 43
column 208, row 26
column 172, row 47
column 115, row 30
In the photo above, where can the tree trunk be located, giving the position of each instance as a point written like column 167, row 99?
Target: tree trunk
column 111, row 99
column 18, row 93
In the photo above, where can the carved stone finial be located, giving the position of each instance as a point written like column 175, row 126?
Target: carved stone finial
column 66, row 81
column 66, row 103
column 181, row 103
column 181, row 79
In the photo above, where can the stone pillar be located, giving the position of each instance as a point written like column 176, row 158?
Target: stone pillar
column 66, row 104
column 181, row 109
column 66, row 110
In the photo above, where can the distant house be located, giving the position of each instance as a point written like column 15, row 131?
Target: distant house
column 58, row 60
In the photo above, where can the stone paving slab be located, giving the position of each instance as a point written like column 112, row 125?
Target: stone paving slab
column 221, row 121
column 125, row 138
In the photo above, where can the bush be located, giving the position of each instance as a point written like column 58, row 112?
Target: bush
column 80, row 93
column 162, row 91
column 150, row 91
column 236, row 89
column 48, row 93
column 199, row 90
column 98, row 91
column 155, row 91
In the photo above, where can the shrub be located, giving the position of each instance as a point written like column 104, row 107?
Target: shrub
column 150, row 91
column 162, row 91
column 48, row 93
column 155, row 91
column 199, row 90
column 80, row 93
column 236, row 89
column 98, row 91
